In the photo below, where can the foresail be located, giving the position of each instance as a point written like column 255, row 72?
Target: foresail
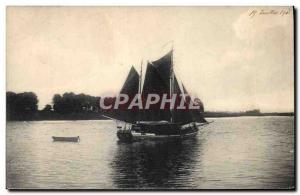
column 131, row 85
column 130, row 88
column 182, row 116
column 196, row 113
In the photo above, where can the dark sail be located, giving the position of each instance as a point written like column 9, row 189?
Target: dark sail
column 196, row 113
column 182, row 116
column 130, row 87
column 156, row 81
column 163, row 67
column 154, row 84
column 158, row 116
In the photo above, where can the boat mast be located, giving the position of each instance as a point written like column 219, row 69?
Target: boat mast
column 171, row 81
column 140, row 87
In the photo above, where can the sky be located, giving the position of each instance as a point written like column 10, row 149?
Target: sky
column 232, row 58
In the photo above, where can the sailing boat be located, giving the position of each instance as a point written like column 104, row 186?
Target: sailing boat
column 156, row 121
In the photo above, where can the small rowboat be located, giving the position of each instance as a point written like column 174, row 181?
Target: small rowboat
column 65, row 139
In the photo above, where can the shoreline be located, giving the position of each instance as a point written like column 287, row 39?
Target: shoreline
column 97, row 116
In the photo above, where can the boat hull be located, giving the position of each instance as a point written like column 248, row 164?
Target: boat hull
column 132, row 135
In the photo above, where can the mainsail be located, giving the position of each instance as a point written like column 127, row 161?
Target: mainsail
column 154, row 83
column 163, row 67
column 157, row 80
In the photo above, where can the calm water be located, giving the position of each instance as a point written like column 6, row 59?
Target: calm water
column 243, row 152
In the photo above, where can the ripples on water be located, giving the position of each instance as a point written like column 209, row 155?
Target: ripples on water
column 231, row 153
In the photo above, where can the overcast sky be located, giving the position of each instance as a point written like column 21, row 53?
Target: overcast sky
column 234, row 59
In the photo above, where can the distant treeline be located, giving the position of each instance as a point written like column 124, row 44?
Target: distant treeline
column 72, row 103
column 71, row 106
column 246, row 113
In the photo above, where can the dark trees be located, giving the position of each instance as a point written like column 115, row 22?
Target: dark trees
column 21, row 106
column 47, row 108
column 73, row 103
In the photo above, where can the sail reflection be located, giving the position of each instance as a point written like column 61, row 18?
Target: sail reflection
column 155, row 164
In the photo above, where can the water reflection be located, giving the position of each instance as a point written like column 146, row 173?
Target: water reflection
column 155, row 164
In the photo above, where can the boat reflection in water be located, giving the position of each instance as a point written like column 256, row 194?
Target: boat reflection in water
column 156, row 164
